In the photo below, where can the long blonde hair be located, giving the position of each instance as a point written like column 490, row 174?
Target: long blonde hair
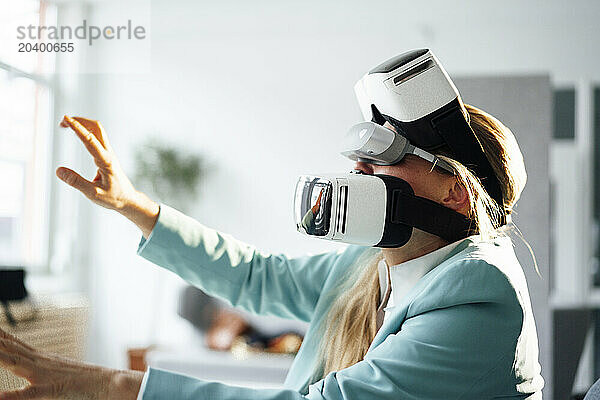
column 350, row 325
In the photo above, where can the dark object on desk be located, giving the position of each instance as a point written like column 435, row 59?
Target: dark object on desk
column 12, row 288
column 282, row 343
column 220, row 324
column 197, row 307
column 225, row 328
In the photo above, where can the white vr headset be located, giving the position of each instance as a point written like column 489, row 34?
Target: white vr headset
column 370, row 210
column 414, row 94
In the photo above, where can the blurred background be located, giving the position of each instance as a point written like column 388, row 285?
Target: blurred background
column 237, row 99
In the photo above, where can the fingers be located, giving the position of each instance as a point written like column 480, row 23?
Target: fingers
column 10, row 347
column 93, row 145
column 8, row 336
column 29, row 393
column 17, row 358
column 75, row 180
column 95, row 127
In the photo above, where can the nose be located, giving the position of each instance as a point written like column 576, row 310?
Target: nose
column 364, row 167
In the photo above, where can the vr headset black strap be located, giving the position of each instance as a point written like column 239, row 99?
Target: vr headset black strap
column 430, row 216
column 467, row 149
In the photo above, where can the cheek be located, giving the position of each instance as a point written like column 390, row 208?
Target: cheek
column 428, row 188
column 423, row 182
column 422, row 187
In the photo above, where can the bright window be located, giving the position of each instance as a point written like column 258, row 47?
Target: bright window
column 25, row 147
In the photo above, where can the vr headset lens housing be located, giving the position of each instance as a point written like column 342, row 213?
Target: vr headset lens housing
column 370, row 210
column 312, row 205
column 349, row 208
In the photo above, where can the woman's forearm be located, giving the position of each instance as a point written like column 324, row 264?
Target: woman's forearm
column 142, row 211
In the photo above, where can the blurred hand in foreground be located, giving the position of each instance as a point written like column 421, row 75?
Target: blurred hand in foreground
column 52, row 377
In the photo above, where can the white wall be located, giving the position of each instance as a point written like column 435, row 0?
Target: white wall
column 264, row 89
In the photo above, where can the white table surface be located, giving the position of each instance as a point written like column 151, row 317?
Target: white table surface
column 258, row 371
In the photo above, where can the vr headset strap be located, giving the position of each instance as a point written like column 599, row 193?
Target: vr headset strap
column 430, row 216
column 467, row 149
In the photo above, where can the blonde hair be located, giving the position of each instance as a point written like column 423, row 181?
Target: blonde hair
column 350, row 325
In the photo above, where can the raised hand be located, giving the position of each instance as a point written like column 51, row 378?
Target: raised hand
column 110, row 188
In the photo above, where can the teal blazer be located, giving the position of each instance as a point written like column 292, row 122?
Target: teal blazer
column 465, row 331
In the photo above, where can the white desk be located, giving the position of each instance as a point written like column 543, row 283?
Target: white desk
column 257, row 371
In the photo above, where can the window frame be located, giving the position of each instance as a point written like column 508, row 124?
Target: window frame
column 38, row 179
column 42, row 266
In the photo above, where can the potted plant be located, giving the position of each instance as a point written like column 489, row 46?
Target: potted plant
column 169, row 174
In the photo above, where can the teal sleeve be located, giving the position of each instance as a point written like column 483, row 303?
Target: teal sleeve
column 461, row 351
column 451, row 353
column 236, row 272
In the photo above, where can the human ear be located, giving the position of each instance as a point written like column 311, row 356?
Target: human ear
column 457, row 197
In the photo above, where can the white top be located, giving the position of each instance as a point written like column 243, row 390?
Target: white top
column 404, row 276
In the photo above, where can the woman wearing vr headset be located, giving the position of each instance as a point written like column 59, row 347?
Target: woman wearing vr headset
column 429, row 302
